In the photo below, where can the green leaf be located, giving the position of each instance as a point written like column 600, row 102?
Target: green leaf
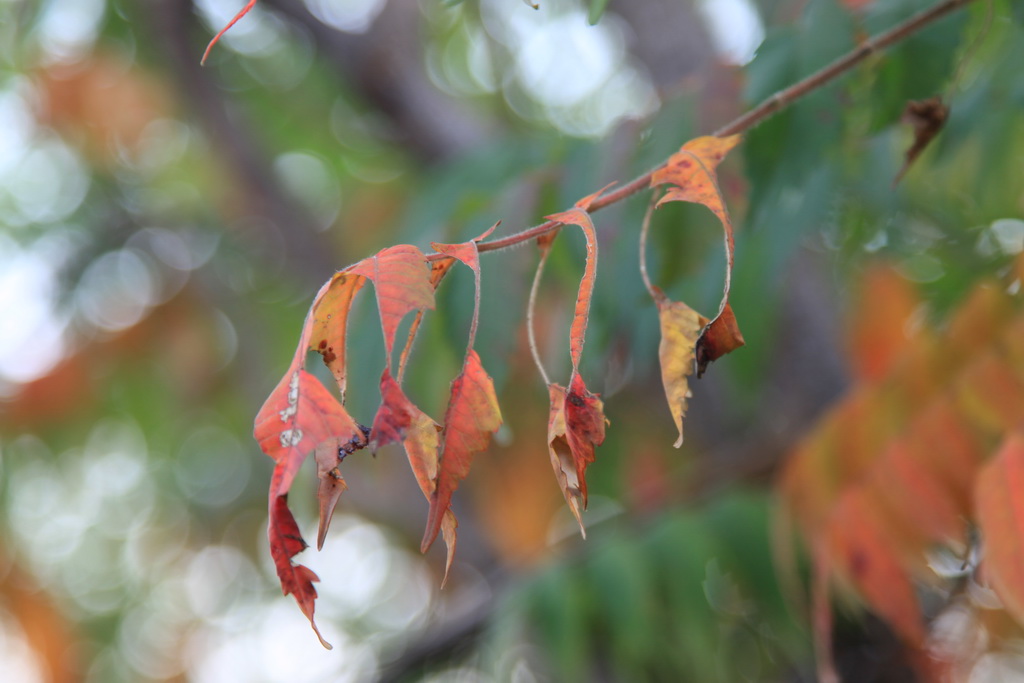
column 597, row 8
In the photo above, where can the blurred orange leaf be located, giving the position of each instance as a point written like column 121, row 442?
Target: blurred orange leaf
column 999, row 501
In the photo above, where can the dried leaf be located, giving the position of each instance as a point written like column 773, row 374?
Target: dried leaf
column 331, row 309
column 691, row 173
column 402, row 280
column 720, row 337
column 298, row 417
column 1000, row 513
column 680, row 329
column 561, row 455
column 584, row 428
column 285, row 543
column 472, row 416
column 579, row 425
column 241, row 13
column 927, row 117
column 399, row 420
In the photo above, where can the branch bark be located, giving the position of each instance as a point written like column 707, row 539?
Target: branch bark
column 770, row 106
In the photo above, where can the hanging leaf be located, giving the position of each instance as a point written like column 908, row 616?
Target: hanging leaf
column 999, row 502
column 402, row 281
column 241, row 13
column 329, row 332
column 581, row 412
column 398, row 420
column 299, row 416
column 285, row 543
column 680, row 328
column 473, row 414
column 691, row 174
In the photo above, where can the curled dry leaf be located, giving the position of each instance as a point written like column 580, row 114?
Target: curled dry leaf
column 1000, row 513
column 690, row 172
column 576, row 425
column 471, row 418
column 680, row 328
column 398, row 420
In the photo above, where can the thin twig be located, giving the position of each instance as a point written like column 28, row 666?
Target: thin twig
column 530, row 333
column 770, row 106
column 644, row 229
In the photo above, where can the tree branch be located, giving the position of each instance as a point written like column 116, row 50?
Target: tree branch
column 770, row 106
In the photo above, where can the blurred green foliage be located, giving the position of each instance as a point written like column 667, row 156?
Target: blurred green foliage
column 168, row 227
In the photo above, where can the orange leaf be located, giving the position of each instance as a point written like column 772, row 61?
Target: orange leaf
column 438, row 269
column 402, row 280
column 680, row 328
column 399, row 420
column 878, row 322
column 862, row 549
column 298, row 417
column 691, row 172
column 330, row 322
column 578, row 330
column 999, row 500
column 241, row 13
column 472, row 416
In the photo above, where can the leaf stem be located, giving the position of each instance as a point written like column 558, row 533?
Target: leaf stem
column 768, row 107
column 644, row 229
column 531, row 334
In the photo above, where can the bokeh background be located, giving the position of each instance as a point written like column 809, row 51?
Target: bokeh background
column 164, row 226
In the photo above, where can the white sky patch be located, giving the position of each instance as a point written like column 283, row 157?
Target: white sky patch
column 735, row 27
column 68, row 28
column 351, row 16
column 31, row 332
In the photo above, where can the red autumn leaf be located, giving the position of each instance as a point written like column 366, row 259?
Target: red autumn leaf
column 581, row 411
column 584, row 428
column 286, row 542
column 398, row 420
column 472, row 415
column 438, row 269
column 241, row 13
column 691, row 174
column 999, row 502
column 402, row 280
column 298, row 417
